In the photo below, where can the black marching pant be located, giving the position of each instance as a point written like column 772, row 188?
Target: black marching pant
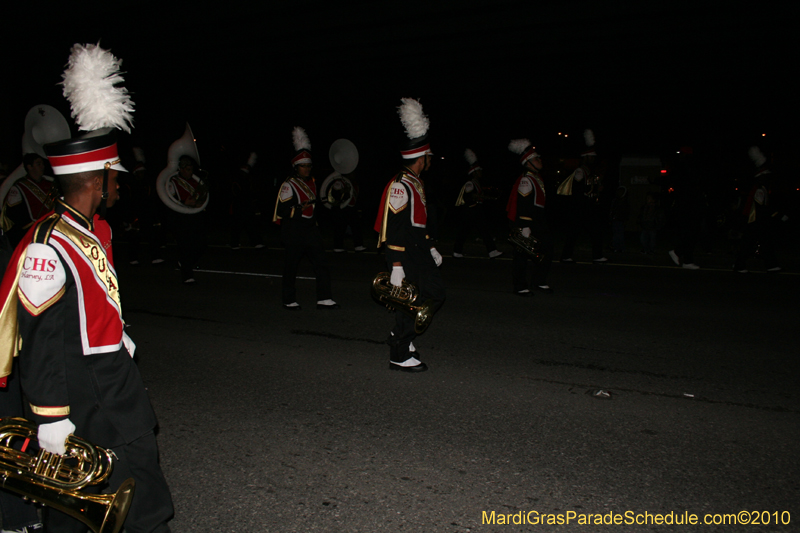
column 541, row 269
column 421, row 271
column 152, row 503
column 305, row 242
column 471, row 220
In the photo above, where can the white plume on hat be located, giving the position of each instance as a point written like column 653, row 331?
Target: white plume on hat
column 413, row 119
column 757, row 156
column 90, row 86
column 470, row 156
column 518, row 146
column 588, row 136
column 300, row 139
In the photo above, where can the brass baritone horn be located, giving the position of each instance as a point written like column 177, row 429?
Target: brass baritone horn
column 403, row 299
column 56, row 480
column 529, row 245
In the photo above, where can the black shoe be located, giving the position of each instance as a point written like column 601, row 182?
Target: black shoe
column 525, row 293
column 422, row 367
column 328, row 305
column 292, row 307
column 545, row 288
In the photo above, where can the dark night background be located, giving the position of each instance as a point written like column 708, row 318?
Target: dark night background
column 647, row 77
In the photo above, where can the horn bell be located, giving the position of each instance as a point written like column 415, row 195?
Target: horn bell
column 185, row 145
column 343, row 156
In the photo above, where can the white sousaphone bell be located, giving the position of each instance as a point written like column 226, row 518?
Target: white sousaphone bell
column 343, row 156
column 43, row 125
column 185, row 145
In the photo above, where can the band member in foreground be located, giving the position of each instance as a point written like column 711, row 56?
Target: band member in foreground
column 294, row 211
column 472, row 213
column 60, row 295
column 401, row 225
column 525, row 210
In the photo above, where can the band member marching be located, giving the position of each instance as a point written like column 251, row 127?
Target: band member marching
column 472, row 213
column 526, row 211
column 401, row 225
column 339, row 194
column 583, row 190
column 61, row 297
column 295, row 212
column 28, row 199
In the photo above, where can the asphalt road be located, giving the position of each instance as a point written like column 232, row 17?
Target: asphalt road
column 279, row 421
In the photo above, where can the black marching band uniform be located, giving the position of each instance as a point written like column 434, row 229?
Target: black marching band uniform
column 62, row 314
column 472, row 214
column 526, row 213
column 761, row 217
column 295, row 212
column 401, row 225
column 188, row 189
column 245, row 206
column 582, row 191
column 339, row 194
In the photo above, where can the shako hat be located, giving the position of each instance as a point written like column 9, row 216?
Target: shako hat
column 524, row 149
column 302, row 147
column 472, row 161
column 416, row 124
column 588, row 137
column 99, row 106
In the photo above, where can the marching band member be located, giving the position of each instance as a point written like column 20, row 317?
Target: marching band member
column 61, row 296
column 295, row 212
column 187, row 188
column 401, row 224
column 761, row 218
column 470, row 207
column 583, row 188
column 339, row 193
column 526, row 211
column 28, row 199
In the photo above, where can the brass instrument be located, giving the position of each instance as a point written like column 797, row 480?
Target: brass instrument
column 185, row 145
column 56, row 480
column 403, row 299
column 529, row 245
column 594, row 186
column 337, row 197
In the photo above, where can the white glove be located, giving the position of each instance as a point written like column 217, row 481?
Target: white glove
column 128, row 343
column 53, row 435
column 784, row 218
column 526, row 232
column 398, row 275
column 437, row 257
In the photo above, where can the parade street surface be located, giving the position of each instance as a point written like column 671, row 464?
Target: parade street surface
column 629, row 392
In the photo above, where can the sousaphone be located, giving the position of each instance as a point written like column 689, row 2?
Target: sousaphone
column 343, row 156
column 43, row 125
column 185, row 145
